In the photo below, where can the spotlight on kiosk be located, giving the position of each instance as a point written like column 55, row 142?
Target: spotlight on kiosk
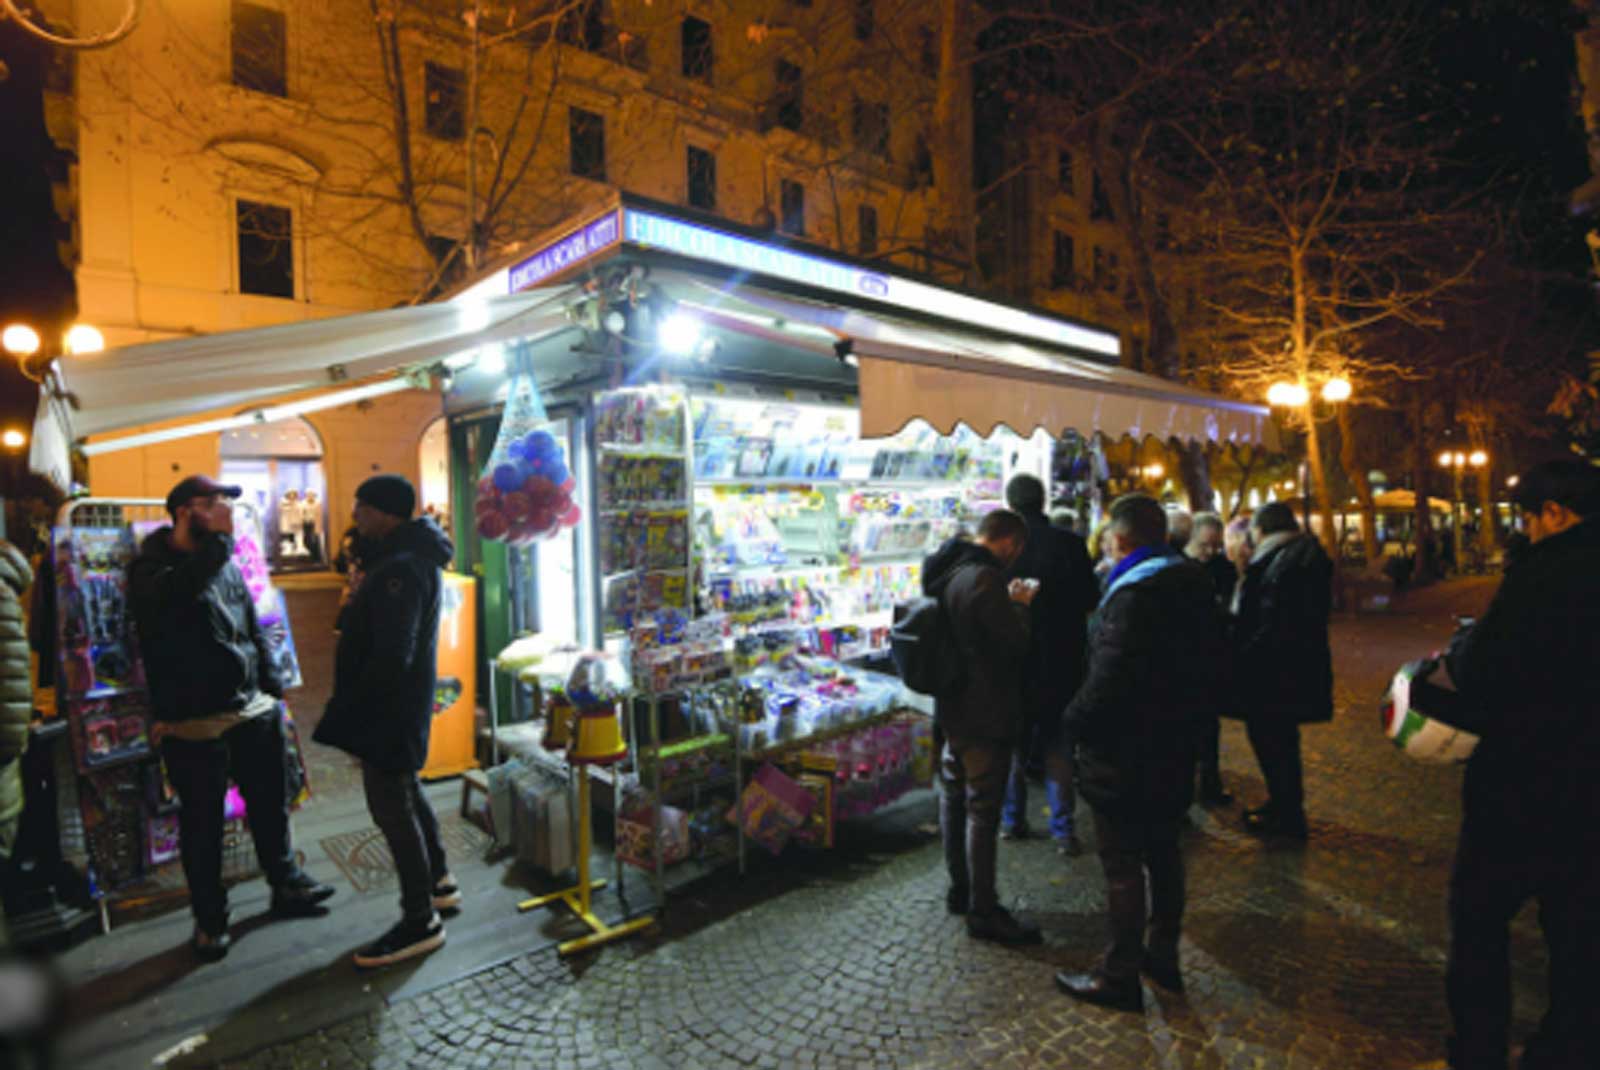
column 683, row 335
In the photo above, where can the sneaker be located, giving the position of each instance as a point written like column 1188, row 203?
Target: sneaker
column 446, row 894
column 406, row 940
column 210, row 947
column 1069, row 846
column 1019, row 831
column 300, row 897
column 1001, row 926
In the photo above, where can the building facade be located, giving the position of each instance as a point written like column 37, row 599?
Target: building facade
column 259, row 162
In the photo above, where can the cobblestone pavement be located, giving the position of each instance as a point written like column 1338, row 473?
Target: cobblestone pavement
column 1327, row 956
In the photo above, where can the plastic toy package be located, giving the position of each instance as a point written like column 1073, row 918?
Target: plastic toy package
column 99, row 655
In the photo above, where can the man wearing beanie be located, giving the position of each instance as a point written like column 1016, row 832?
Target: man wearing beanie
column 382, row 705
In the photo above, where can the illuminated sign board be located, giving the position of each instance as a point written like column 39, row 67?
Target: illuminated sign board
column 576, row 247
column 650, row 230
column 703, row 243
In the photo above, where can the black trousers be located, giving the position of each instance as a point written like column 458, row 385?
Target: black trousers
column 402, row 813
column 255, row 755
column 1208, row 738
column 1276, row 741
column 972, row 775
column 1495, row 874
column 1130, row 847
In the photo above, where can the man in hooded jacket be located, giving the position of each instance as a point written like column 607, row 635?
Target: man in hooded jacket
column 982, row 720
column 382, row 705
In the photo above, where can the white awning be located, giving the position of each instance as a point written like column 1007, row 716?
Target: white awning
column 159, row 381
column 909, row 371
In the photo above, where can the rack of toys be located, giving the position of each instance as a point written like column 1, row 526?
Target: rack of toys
column 127, row 808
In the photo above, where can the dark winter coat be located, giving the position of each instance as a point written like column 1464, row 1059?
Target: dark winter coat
column 16, row 690
column 1283, row 667
column 1529, row 671
column 1154, row 655
column 203, row 648
column 385, row 666
column 992, row 633
column 1058, row 617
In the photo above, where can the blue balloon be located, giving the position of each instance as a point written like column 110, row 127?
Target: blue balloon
column 518, row 450
column 540, row 443
column 558, row 473
column 506, row 478
column 524, row 470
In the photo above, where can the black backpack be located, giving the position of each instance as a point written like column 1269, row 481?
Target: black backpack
column 922, row 643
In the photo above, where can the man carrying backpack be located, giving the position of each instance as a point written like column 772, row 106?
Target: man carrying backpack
column 980, row 714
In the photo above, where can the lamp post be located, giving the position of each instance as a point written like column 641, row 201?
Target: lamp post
column 1296, row 399
column 35, row 352
column 1457, row 462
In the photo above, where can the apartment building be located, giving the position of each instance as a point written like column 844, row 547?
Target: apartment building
column 256, row 162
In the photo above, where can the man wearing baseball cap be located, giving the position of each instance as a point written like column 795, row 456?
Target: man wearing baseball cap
column 382, row 705
column 216, row 696
column 1529, row 673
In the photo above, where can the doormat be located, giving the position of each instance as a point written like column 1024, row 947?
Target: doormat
column 363, row 855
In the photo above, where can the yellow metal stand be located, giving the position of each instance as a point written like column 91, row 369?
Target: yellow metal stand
column 579, row 899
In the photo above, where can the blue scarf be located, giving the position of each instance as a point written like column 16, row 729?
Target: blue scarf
column 1141, row 563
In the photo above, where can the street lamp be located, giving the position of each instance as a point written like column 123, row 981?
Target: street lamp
column 1458, row 462
column 1335, row 390
column 13, row 439
column 34, row 353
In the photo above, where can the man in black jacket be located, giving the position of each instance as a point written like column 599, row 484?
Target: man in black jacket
column 216, row 697
column 1058, row 628
column 1206, row 544
column 382, row 705
column 1529, row 674
column 1283, row 675
column 1153, row 656
column 982, row 720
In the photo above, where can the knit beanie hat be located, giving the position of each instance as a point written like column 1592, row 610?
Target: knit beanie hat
column 389, row 494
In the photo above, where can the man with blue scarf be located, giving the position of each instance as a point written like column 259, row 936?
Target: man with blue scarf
column 1154, row 652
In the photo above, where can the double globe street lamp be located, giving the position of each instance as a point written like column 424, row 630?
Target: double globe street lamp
column 1458, row 461
column 1296, row 397
column 34, row 353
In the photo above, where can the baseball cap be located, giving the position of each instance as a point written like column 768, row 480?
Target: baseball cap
column 199, row 487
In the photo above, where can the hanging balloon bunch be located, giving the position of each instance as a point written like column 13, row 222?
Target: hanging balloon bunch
column 526, row 492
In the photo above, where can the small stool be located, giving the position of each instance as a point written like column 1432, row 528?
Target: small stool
column 474, row 780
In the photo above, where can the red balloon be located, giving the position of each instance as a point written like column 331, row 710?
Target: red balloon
column 570, row 485
column 486, row 505
column 542, row 518
column 537, row 485
column 572, row 516
column 517, row 506
column 493, row 525
column 486, row 487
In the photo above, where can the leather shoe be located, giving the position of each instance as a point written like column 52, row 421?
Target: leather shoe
column 210, row 947
column 1002, row 927
column 1099, row 989
column 1267, row 822
column 1019, row 831
column 1163, row 972
column 957, row 901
